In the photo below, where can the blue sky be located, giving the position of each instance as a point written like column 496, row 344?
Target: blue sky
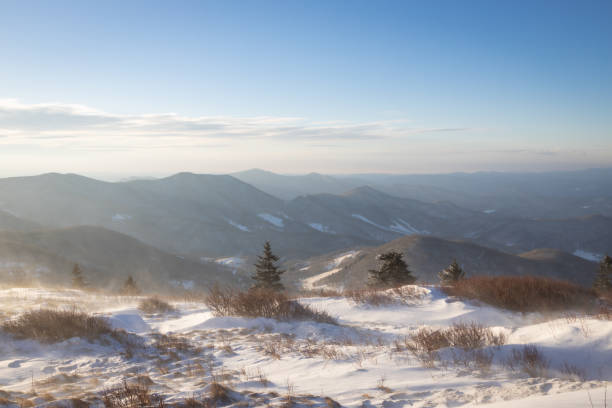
column 338, row 87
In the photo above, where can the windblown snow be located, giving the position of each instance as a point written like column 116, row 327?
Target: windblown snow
column 356, row 363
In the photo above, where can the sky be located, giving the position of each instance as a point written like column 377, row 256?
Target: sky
column 132, row 88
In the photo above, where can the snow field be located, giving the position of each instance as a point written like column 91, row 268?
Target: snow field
column 355, row 363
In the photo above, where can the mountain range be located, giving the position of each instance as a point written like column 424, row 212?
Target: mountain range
column 177, row 224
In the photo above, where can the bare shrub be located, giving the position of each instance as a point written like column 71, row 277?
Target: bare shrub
column 530, row 360
column 482, row 359
column 131, row 395
column 262, row 303
column 470, row 336
column 476, row 359
column 383, row 297
column 423, row 345
column 52, row 326
column 369, row 296
column 524, row 293
column 219, row 301
column 323, row 292
column 154, row 305
column 426, row 339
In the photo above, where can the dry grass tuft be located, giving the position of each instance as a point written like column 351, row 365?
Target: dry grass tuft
column 262, row 303
column 155, row 305
column 51, row 326
column 168, row 343
column 524, row 293
column 132, row 395
column 380, row 385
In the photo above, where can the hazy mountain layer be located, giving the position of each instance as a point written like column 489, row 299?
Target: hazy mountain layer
column 215, row 215
column 426, row 256
column 530, row 195
column 107, row 258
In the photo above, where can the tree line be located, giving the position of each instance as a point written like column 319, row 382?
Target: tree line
column 393, row 271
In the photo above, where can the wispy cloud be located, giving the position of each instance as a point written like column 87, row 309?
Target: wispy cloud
column 84, row 127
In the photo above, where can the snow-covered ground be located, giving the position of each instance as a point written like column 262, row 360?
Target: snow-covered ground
column 239, row 226
column 589, row 256
column 356, row 363
column 398, row 225
column 276, row 221
column 321, row 228
column 332, row 268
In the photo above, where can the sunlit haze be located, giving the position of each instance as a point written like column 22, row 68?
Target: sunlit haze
column 113, row 89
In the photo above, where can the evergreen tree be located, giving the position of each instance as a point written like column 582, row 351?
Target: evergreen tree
column 78, row 282
column 130, row 287
column 603, row 279
column 451, row 274
column 393, row 271
column 267, row 274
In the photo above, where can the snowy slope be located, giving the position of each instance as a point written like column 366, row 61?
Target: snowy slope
column 356, row 363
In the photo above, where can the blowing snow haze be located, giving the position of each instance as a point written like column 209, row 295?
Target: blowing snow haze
column 305, row 204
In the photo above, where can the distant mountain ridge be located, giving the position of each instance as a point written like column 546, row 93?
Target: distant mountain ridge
column 523, row 195
column 289, row 187
column 218, row 215
column 106, row 257
column 427, row 255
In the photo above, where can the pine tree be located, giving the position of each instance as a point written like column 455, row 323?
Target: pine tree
column 78, row 282
column 267, row 274
column 451, row 274
column 603, row 279
column 130, row 287
column 393, row 271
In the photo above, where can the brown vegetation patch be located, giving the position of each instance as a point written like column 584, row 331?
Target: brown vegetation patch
column 524, row 293
column 52, row 325
column 262, row 303
column 469, row 337
column 131, row 395
column 155, row 305
column 378, row 297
